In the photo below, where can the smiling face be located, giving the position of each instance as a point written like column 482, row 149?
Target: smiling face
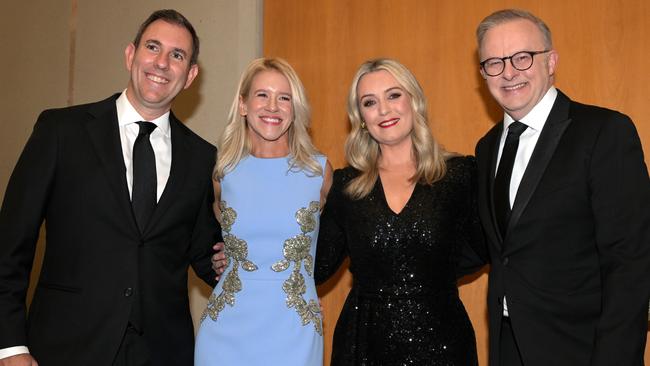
column 160, row 68
column 386, row 108
column 518, row 91
column 268, row 109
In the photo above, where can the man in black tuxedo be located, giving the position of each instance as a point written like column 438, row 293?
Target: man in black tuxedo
column 125, row 191
column 565, row 203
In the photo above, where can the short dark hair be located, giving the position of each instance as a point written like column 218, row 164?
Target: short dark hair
column 173, row 17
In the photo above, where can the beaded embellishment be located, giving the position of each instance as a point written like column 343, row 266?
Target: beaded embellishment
column 296, row 250
column 236, row 250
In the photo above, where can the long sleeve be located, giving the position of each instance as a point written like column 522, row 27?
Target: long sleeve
column 207, row 232
column 332, row 247
column 472, row 247
column 21, row 216
column 620, row 197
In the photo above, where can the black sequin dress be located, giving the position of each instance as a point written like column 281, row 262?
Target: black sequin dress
column 404, row 308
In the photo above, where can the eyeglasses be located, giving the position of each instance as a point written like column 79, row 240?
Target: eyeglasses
column 521, row 61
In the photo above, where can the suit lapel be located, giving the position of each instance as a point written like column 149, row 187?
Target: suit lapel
column 494, row 156
column 104, row 135
column 550, row 136
column 178, row 172
column 486, row 153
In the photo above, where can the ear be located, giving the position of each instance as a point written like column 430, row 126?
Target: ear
column 129, row 53
column 552, row 61
column 243, row 110
column 480, row 69
column 191, row 75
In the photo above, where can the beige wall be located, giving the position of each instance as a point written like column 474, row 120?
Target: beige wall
column 35, row 76
column 71, row 52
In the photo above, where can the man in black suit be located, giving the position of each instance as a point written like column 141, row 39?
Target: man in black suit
column 565, row 203
column 125, row 191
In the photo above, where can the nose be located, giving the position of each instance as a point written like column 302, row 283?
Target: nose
column 384, row 108
column 272, row 105
column 509, row 71
column 161, row 61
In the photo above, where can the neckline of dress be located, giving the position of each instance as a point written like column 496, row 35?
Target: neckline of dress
column 285, row 157
column 382, row 192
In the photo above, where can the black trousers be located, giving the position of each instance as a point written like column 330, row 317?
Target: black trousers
column 508, row 349
column 133, row 350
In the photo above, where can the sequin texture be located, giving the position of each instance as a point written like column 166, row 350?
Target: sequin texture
column 296, row 250
column 403, row 308
column 236, row 250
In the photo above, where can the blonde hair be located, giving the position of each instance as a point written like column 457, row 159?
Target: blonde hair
column 234, row 144
column 362, row 151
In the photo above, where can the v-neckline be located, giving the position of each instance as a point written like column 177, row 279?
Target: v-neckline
column 383, row 195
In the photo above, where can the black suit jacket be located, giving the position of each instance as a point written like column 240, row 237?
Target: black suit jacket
column 575, row 262
column 97, row 263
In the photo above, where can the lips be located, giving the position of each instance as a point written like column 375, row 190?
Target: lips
column 515, row 87
column 157, row 79
column 388, row 123
column 273, row 120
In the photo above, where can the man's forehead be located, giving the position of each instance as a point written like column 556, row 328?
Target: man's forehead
column 177, row 38
column 163, row 29
column 515, row 35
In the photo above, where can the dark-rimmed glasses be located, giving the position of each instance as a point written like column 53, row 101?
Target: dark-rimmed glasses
column 521, row 61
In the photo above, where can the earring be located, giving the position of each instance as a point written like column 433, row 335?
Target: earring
column 363, row 125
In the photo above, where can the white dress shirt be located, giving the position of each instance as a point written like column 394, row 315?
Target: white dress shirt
column 535, row 120
column 161, row 141
column 13, row 351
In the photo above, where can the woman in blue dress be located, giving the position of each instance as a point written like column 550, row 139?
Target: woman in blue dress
column 269, row 184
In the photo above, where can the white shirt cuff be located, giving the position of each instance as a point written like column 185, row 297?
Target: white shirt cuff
column 12, row 351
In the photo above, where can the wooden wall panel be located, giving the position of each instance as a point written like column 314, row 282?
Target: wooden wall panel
column 604, row 47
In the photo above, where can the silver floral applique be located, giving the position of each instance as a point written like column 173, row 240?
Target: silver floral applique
column 236, row 250
column 296, row 250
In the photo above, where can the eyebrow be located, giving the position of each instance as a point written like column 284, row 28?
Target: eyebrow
column 158, row 43
column 385, row 91
column 269, row 91
column 154, row 41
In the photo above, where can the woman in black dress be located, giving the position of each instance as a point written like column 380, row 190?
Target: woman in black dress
column 404, row 211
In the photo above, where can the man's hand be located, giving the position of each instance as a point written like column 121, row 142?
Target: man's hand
column 219, row 261
column 24, row 359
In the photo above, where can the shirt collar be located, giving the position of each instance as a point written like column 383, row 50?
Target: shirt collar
column 126, row 115
column 537, row 117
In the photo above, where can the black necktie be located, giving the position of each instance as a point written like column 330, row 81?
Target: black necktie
column 143, row 196
column 502, row 180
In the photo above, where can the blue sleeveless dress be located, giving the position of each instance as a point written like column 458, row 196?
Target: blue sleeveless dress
column 265, row 310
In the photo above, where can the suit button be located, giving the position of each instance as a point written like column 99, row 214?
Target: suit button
column 506, row 260
column 141, row 243
column 128, row 292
